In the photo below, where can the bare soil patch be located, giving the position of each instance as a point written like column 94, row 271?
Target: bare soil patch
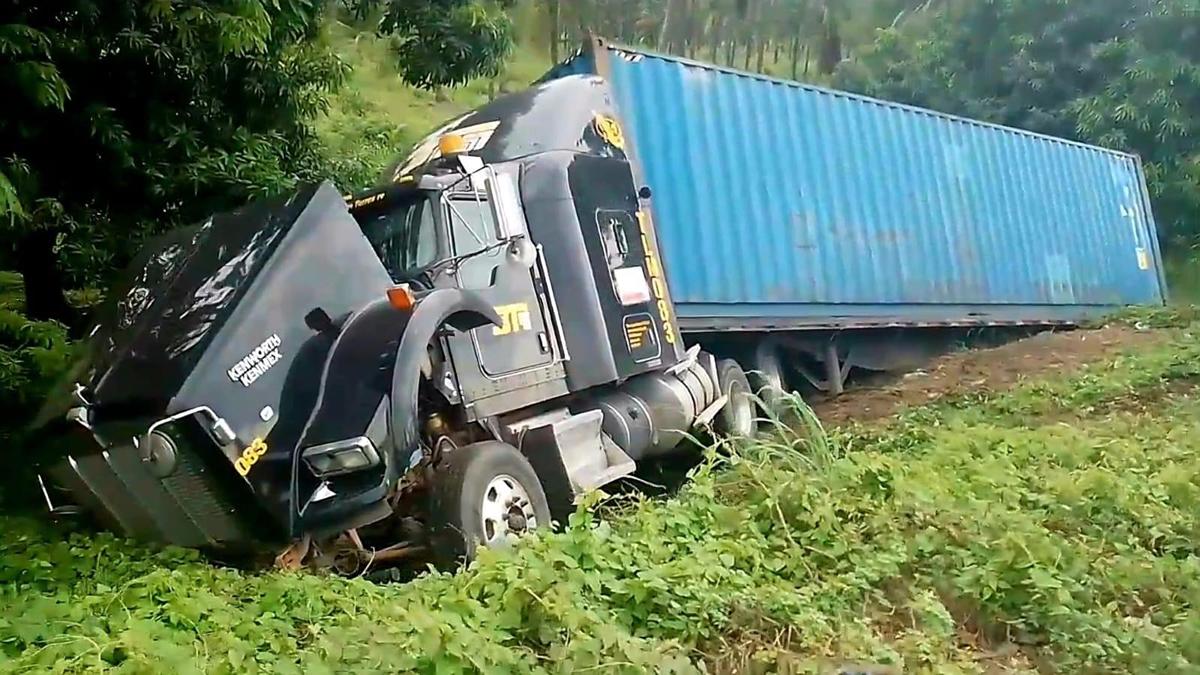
column 1049, row 354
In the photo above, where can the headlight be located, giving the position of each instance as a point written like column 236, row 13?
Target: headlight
column 342, row 457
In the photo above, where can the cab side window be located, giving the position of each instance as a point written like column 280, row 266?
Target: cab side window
column 473, row 227
column 405, row 237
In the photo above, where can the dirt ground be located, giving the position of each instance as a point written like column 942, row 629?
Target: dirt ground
column 1050, row 353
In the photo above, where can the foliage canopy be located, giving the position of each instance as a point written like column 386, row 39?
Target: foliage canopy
column 131, row 117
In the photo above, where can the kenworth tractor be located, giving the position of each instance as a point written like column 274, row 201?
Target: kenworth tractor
column 437, row 364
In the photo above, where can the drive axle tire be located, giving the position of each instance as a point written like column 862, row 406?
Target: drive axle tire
column 767, row 377
column 483, row 495
column 738, row 418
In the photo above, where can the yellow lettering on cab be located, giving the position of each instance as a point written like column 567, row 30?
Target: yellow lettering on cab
column 514, row 319
column 657, row 285
column 250, row 456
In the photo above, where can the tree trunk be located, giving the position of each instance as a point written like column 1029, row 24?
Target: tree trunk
column 664, row 30
column 555, row 29
column 807, row 61
column 695, row 29
column 831, row 44
column 44, row 284
column 749, row 51
column 717, row 32
column 795, row 51
column 731, row 51
column 762, row 55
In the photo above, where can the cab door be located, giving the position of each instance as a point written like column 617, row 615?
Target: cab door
column 516, row 353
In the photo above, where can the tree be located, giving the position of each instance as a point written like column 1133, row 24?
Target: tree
column 1122, row 74
column 129, row 117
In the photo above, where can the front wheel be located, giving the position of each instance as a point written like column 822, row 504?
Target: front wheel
column 484, row 494
column 737, row 418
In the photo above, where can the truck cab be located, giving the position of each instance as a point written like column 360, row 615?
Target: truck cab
column 444, row 361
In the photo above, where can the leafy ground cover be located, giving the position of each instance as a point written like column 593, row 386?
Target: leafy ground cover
column 1051, row 527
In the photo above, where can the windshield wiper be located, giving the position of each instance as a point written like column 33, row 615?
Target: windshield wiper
column 452, row 263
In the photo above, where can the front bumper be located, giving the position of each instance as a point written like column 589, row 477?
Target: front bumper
column 190, row 507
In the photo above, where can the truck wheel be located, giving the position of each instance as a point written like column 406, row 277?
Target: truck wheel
column 767, row 378
column 737, row 418
column 483, row 494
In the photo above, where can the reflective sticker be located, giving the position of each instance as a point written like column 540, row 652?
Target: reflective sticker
column 1143, row 257
column 610, row 130
column 641, row 338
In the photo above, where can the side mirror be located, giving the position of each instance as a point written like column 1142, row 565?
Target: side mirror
column 502, row 193
column 644, row 192
column 319, row 321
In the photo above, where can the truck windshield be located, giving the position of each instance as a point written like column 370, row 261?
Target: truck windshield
column 404, row 236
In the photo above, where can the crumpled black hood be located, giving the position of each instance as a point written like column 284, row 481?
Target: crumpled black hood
column 176, row 295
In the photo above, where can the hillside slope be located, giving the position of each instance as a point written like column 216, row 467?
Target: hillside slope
column 1049, row 526
column 377, row 117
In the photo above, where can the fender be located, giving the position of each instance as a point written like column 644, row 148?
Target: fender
column 350, row 389
column 353, row 391
column 462, row 309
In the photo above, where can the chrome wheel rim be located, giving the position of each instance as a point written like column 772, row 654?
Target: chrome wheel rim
column 742, row 410
column 507, row 511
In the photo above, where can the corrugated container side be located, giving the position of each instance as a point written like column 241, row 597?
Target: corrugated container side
column 806, row 206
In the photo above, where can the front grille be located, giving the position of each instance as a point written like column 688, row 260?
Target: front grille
column 191, row 507
column 199, row 491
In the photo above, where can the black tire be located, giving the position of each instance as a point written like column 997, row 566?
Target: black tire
column 767, row 378
column 738, row 419
column 467, row 478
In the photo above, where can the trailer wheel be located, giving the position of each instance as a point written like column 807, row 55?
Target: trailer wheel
column 737, row 418
column 767, row 377
column 484, row 494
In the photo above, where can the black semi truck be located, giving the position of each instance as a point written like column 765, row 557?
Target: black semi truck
column 440, row 363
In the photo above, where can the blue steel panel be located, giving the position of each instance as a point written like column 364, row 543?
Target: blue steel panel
column 776, row 199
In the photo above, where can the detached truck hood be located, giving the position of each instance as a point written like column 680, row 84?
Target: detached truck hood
column 205, row 310
column 220, row 316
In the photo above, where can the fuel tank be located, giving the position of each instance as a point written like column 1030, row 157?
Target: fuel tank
column 236, row 315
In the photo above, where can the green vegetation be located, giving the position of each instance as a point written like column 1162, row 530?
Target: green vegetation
column 377, row 116
column 1052, row 527
column 174, row 110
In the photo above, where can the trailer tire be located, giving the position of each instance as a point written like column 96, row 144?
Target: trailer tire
column 739, row 416
column 767, row 377
column 483, row 494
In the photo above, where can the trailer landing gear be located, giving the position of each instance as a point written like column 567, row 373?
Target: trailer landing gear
column 836, row 371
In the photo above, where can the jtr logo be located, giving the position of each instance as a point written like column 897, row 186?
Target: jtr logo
column 514, row 319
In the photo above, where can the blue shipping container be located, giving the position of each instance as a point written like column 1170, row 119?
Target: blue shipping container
column 784, row 205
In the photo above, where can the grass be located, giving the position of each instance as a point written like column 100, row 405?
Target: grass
column 1183, row 278
column 1051, row 528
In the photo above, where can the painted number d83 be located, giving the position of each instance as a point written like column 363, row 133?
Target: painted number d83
column 250, row 456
